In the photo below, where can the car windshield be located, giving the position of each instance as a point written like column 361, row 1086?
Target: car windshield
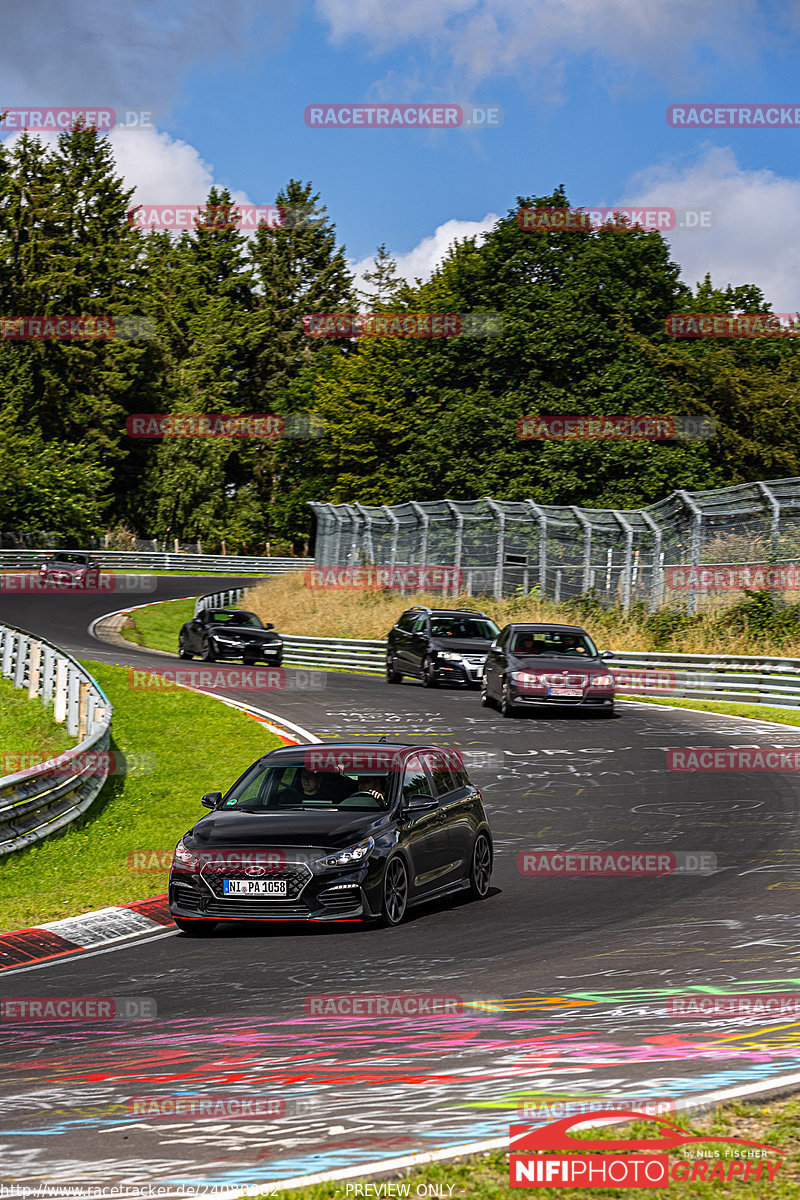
column 249, row 620
column 553, row 642
column 293, row 787
column 464, row 627
column 77, row 559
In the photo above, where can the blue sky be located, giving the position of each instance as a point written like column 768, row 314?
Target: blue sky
column 584, row 86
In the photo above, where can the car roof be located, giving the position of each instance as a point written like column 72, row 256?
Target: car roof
column 291, row 751
column 542, row 627
column 448, row 612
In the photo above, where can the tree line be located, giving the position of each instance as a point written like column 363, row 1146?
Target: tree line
column 583, row 332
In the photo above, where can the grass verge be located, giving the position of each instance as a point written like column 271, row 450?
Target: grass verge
column 485, row 1177
column 758, row 712
column 198, row 745
column 157, row 626
column 27, row 726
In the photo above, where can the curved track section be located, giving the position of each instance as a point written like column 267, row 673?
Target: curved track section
column 565, row 981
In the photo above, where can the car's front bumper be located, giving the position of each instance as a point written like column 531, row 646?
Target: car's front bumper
column 271, row 652
column 464, row 672
column 336, row 898
column 590, row 699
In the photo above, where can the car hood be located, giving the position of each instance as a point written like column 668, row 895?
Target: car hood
column 462, row 645
column 552, row 663
column 257, row 635
column 327, row 830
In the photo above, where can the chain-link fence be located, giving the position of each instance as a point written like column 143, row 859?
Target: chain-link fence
column 689, row 548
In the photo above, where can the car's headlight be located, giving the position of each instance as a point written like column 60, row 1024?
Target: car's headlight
column 449, row 655
column 526, row 678
column 226, row 637
column 350, row 857
column 601, row 681
column 185, row 859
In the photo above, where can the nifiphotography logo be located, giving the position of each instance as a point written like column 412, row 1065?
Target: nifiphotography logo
column 732, row 1159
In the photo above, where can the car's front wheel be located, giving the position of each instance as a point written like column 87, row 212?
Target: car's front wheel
column 392, row 674
column 395, row 891
column 480, row 871
column 486, row 699
column 197, row 928
column 506, row 703
column 209, row 653
column 183, row 650
column 429, row 674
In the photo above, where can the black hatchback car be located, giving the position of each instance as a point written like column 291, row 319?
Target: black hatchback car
column 333, row 832
column 547, row 664
column 230, row 633
column 439, row 645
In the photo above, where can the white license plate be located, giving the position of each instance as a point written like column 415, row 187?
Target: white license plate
column 254, row 887
column 565, row 692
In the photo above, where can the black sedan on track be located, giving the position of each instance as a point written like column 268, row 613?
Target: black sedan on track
column 219, row 633
column 333, row 832
column 547, row 664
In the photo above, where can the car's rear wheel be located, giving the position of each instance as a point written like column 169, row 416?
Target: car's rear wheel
column 392, row 674
column 480, row 871
column 209, row 653
column 428, row 674
column 395, row 891
column 506, row 703
column 197, row 928
column 183, row 651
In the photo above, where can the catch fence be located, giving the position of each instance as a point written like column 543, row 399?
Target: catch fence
column 502, row 547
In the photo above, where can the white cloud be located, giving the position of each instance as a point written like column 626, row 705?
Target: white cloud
column 424, row 258
column 482, row 38
column 756, row 213
column 120, row 53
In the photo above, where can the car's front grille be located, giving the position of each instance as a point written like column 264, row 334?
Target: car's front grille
column 243, row 908
column 296, row 876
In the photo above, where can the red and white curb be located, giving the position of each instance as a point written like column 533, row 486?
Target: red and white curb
column 87, row 931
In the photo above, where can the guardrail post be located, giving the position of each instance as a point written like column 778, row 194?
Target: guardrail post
column 73, row 701
column 424, row 521
column 34, row 670
column 22, row 661
column 84, row 688
column 60, row 699
column 775, row 526
column 657, row 576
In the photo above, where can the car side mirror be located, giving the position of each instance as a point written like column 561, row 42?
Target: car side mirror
column 606, row 654
column 419, row 803
column 211, row 799
column 269, row 625
column 493, row 645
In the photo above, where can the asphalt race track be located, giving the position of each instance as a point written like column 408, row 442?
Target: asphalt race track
column 565, row 980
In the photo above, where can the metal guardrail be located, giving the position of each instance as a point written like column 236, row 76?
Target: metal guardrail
column 750, row 679
column 36, row 802
column 127, row 560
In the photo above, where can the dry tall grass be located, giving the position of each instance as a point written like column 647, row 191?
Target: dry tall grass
column 296, row 609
